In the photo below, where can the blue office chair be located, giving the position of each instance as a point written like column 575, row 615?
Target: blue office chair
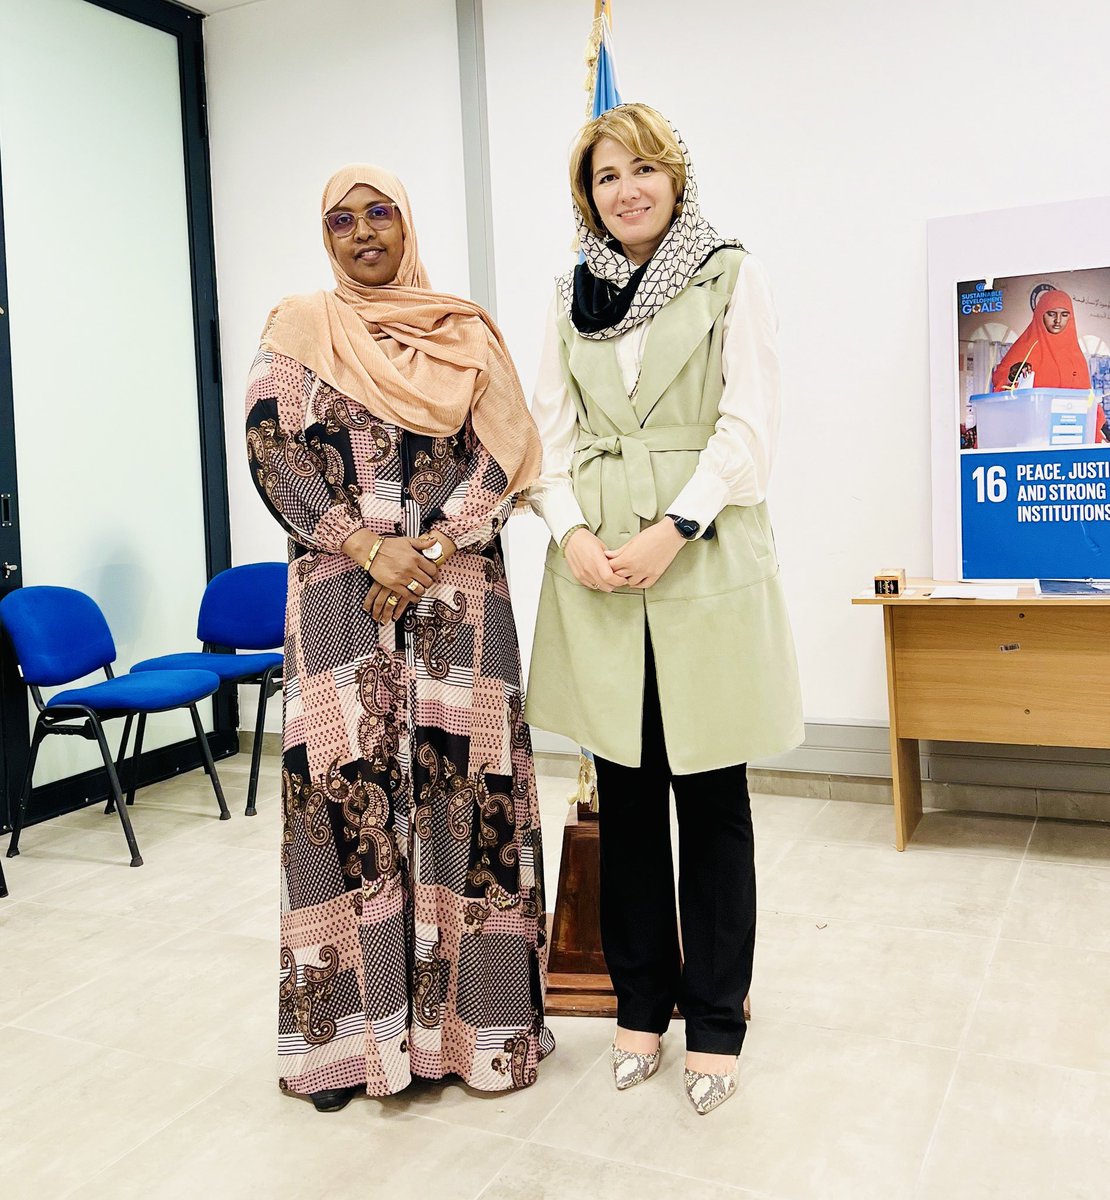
column 60, row 635
column 243, row 607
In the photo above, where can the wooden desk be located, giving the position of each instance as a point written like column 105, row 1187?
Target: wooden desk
column 1030, row 671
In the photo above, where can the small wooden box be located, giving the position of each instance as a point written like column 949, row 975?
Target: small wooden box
column 890, row 582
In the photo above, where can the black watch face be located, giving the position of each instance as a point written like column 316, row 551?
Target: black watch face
column 688, row 529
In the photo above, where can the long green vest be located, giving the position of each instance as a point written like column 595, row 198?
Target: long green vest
column 728, row 679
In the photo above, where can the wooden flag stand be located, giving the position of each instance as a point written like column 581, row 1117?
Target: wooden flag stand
column 578, row 983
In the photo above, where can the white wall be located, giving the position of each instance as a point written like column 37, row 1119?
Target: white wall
column 296, row 90
column 824, row 137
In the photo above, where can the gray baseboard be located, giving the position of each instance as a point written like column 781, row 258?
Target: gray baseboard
column 851, row 761
column 271, row 742
column 862, row 749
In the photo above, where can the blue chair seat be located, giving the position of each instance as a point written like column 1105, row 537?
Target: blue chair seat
column 154, row 691
column 229, row 667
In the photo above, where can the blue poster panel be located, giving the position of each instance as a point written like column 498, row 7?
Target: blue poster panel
column 1030, row 514
column 1034, row 366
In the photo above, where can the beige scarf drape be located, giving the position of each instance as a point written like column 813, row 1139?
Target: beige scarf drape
column 414, row 357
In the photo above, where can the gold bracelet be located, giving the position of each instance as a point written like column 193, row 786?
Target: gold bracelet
column 568, row 535
column 373, row 553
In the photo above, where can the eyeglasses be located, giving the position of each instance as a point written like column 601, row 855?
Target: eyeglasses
column 378, row 216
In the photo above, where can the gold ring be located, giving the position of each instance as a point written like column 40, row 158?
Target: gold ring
column 413, row 587
column 392, row 601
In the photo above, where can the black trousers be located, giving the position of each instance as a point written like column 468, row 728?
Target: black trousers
column 709, row 978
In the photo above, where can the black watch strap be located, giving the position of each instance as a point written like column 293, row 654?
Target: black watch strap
column 689, row 529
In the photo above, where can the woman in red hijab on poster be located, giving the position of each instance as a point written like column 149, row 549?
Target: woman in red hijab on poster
column 1050, row 347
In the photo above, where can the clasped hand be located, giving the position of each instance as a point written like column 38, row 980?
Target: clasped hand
column 639, row 563
column 399, row 569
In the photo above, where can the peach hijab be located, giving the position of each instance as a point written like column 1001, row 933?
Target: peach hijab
column 414, row 357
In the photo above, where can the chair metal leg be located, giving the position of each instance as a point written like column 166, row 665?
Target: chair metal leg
column 256, row 749
column 117, row 795
column 121, row 755
column 209, row 765
column 3, row 882
column 25, row 794
column 136, row 758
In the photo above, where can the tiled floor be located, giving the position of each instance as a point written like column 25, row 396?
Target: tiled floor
column 929, row 1025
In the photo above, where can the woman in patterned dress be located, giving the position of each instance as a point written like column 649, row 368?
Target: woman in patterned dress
column 387, row 433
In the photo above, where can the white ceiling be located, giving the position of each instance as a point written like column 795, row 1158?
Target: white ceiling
column 212, row 6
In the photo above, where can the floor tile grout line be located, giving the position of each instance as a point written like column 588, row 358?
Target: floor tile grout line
column 1029, row 839
column 970, row 1020
column 812, row 818
column 150, row 864
column 172, row 931
column 522, row 1144
column 515, row 1137
column 147, row 922
column 195, row 836
column 766, row 872
column 863, row 1035
column 787, row 912
column 870, row 923
column 165, row 1060
column 570, row 1090
column 13, row 874
column 954, row 851
column 753, row 1193
column 1101, row 951
column 497, row 1172
column 746, row 1192
column 154, row 1133
column 1041, row 1066
column 1064, row 862
column 88, row 983
column 912, row 852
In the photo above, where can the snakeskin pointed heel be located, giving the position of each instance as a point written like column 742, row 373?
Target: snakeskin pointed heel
column 707, row 1092
column 630, row 1068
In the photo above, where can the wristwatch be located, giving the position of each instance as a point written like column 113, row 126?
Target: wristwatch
column 689, row 529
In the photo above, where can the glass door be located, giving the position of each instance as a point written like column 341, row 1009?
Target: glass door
column 112, row 418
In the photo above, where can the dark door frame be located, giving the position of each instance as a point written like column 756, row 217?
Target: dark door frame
column 91, row 787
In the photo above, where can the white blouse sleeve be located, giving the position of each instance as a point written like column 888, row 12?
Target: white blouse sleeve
column 552, row 495
column 735, row 466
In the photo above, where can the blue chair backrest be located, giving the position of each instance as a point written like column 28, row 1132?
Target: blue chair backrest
column 244, row 607
column 59, row 634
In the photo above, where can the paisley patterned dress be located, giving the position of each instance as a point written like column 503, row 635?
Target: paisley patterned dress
column 413, row 931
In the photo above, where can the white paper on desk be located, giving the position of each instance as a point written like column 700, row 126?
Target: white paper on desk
column 974, row 591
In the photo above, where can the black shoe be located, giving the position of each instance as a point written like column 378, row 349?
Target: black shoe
column 334, row 1098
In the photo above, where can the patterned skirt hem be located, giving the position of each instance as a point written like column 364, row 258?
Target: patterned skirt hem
column 352, row 1073
column 299, row 1087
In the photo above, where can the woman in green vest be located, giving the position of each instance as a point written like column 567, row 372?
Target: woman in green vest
column 662, row 641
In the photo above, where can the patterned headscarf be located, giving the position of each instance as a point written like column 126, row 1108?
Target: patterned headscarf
column 607, row 294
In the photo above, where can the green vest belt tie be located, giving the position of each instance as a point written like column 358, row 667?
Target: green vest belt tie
column 636, row 450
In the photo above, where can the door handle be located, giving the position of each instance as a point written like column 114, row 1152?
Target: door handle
column 9, row 569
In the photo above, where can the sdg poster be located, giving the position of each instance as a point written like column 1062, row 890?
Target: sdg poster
column 1034, row 394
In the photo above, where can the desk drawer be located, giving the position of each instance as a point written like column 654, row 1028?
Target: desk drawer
column 1003, row 674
